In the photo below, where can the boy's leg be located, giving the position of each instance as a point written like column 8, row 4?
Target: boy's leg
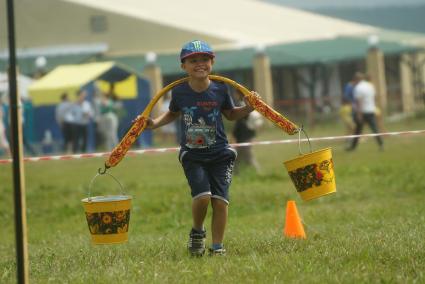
column 197, row 235
column 199, row 211
column 201, row 195
column 220, row 179
column 219, row 220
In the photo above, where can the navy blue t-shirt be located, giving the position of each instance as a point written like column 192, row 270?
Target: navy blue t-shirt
column 201, row 121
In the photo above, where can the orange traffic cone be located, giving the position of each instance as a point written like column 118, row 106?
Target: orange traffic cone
column 293, row 226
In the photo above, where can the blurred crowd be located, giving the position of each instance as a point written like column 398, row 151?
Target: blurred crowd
column 74, row 117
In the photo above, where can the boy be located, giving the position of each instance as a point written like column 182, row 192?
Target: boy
column 205, row 154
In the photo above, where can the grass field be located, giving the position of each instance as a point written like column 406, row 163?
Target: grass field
column 371, row 231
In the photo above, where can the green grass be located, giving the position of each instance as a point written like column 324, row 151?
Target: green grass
column 371, row 230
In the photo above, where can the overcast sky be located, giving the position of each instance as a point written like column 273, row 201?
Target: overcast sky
column 313, row 4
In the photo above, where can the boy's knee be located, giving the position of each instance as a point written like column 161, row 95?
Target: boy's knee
column 202, row 198
column 219, row 202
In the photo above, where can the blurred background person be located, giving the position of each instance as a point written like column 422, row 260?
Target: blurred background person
column 346, row 111
column 119, row 110
column 26, row 117
column 65, row 118
column 168, row 131
column 244, row 131
column 108, row 121
column 4, row 143
column 23, row 107
column 83, row 113
column 364, row 97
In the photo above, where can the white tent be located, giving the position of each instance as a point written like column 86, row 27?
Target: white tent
column 23, row 83
column 139, row 26
column 246, row 22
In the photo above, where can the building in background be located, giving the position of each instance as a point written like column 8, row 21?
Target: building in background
column 310, row 56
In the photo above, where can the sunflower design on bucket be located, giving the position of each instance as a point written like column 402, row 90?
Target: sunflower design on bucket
column 326, row 168
column 107, row 218
column 104, row 223
column 312, row 175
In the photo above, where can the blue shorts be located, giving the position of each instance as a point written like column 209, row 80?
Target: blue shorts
column 209, row 174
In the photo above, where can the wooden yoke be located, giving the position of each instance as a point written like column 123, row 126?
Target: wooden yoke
column 140, row 122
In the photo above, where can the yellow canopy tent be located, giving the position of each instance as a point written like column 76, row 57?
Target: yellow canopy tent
column 129, row 86
column 71, row 78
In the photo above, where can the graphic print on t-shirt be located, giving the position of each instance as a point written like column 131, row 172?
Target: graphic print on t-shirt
column 200, row 134
column 201, row 121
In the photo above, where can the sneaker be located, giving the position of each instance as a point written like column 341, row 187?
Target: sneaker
column 220, row 251
column 196, row 244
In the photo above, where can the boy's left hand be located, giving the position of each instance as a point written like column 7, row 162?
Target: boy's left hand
column 255, row 94
column 149, row 121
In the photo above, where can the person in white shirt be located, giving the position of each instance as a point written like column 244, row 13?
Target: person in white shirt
column 83, row 113
column 364, row 97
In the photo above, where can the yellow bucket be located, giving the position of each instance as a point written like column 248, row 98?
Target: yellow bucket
column 313, row 173
column 108, row 217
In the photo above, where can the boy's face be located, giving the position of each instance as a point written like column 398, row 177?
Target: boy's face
column 198, row 66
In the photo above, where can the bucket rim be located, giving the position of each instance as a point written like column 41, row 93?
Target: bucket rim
column 314, row 197
column 106, row 198
column 307, row 154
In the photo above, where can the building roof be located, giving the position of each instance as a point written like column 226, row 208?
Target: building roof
column 301, row 53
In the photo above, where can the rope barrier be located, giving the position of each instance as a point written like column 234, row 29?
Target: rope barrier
column 174, row 149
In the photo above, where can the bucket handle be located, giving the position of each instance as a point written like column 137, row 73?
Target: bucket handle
column 299, row 140
column 99, row 174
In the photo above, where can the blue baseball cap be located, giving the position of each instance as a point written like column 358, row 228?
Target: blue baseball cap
column 196, row 47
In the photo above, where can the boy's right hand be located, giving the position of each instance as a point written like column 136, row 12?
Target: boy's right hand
column 149, row 123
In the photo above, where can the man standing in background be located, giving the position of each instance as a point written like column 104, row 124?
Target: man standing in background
column 364, row 98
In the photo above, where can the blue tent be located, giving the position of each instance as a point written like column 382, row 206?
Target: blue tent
column 46, row 92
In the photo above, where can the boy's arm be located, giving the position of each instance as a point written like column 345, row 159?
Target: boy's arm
column 163, row 119
column 239, row 112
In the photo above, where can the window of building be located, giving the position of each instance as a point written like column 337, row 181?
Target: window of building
column 98, row 24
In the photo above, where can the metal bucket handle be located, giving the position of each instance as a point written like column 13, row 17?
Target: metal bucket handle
column 299, row 140
column 99, row 174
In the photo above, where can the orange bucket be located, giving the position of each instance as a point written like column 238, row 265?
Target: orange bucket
column 313, row 173
column 108, row 216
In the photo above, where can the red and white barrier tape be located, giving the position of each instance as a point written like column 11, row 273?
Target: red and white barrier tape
column 174, row 149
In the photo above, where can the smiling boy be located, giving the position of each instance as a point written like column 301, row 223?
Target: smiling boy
column 205, row 154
